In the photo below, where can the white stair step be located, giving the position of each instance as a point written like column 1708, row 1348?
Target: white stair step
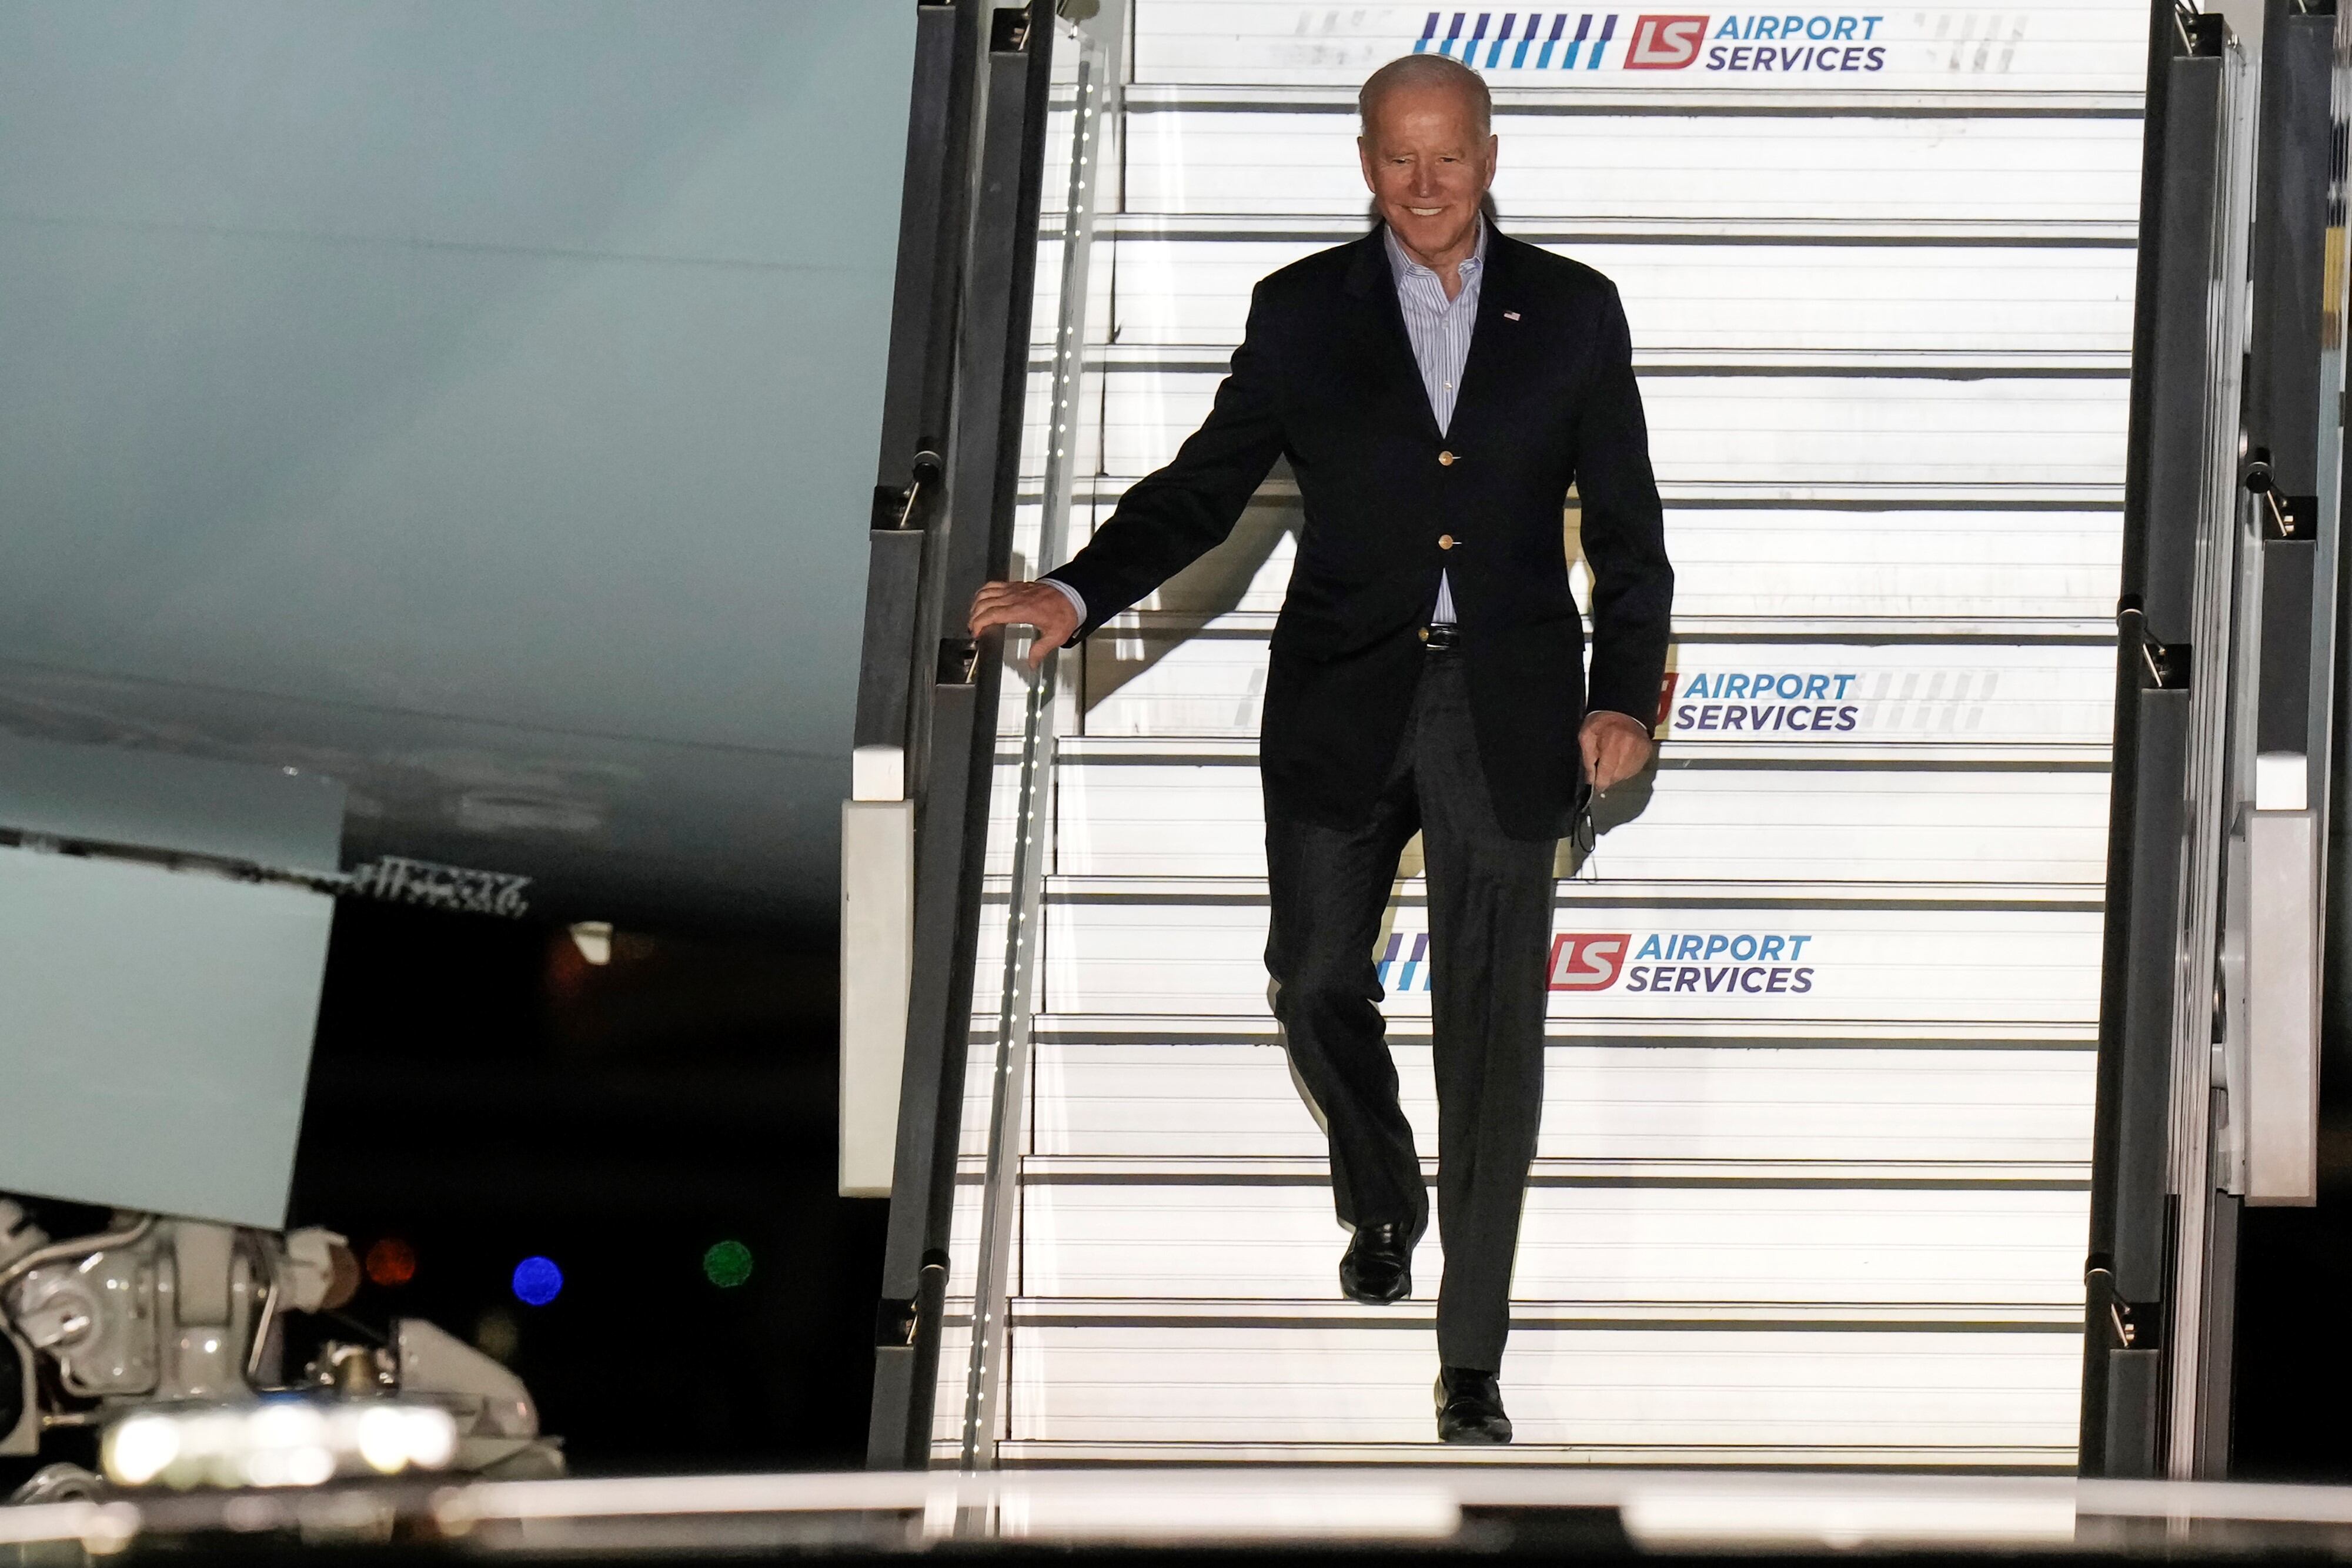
column 1888, row 967
column 1885, row 495
column 1717, row 299
column 1574, row 229
column 1137, row 818
column 1589, row 891
column 1202, row 617
column 1166, row 683
column 1917, row 565
column 1658, row 167
column 1832, row 1107
column 1824, row 1174
column 1561, row 93
column 1594, row 888
column 1943, row 1458
column 1896, row 571
column 1762, row 1033
column 1329, row 1312
column 1768, row 428
column 1736, row 1242
column 1957, row 755
column 1295, row 48
column 1941, row 364
column 2011, row 1397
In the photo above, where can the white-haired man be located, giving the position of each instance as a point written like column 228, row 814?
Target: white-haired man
column 1436, row 387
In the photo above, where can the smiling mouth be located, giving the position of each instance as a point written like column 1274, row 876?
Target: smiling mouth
column 1424, row 212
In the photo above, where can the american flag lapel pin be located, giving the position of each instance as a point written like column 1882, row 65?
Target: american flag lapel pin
column 1510, row 315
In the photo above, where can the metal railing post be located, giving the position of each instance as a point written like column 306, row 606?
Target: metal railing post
column 1096, row 85
column 973, row 543
column 2157, row 837
column 2208, row 1091
column 878, row 827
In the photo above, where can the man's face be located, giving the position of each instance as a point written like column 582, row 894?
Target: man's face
column 1428, row 165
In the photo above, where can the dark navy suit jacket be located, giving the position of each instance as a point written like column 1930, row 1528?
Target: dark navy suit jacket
column 1325, row 377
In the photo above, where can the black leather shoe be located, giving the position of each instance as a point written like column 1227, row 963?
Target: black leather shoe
column 1470, row 1407
column 1377, row 1268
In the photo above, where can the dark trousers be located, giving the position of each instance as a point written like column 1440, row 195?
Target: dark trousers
column 1490, row 900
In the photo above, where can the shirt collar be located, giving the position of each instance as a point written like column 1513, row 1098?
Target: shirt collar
column 1401, row 264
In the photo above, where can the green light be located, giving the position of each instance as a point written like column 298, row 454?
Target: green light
column 727, row 1264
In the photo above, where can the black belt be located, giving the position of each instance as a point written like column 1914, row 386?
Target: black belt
column 1441, row 639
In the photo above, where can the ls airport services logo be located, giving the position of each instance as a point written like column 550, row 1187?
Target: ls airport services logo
column 1721, row 963
column 1784, row 44
column 1823, row 705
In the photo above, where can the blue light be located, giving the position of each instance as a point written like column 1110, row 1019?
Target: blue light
column 537, row 1281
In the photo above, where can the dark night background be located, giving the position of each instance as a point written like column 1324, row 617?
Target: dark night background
column 2294, row 1364
column 483, row 1094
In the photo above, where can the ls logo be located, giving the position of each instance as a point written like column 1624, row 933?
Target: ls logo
column 1586, row 960
column 1665, row 43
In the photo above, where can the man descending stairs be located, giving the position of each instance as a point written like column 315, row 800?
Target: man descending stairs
column 1809, row 1185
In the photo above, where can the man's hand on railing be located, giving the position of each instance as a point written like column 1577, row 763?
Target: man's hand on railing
column 1036, row 604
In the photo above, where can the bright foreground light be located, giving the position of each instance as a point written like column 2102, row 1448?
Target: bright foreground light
column 310, row 1465
column 139, row 1449
column 383, row 1440
column 432, row 1438
column 392, row 1437
column 278, row 1443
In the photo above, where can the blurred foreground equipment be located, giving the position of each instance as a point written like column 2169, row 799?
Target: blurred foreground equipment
column 1305, row 1513
column 169, row 1339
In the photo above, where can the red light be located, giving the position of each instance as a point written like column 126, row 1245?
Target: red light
column 392, row 1261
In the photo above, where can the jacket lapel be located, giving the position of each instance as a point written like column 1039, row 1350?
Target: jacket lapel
column 1372, row 282
column 1489, row 344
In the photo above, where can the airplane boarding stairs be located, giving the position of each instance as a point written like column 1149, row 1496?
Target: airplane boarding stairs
column 1812, row 1181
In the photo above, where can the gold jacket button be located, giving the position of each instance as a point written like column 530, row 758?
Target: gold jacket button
column 1445, row 542
column 1445, row 459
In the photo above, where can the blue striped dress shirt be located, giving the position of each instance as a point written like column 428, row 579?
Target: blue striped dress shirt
column 1440, row 331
